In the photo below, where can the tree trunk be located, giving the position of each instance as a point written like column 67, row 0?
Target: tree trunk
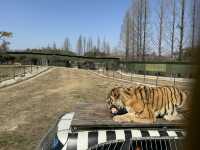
column 141, row 17
column 161, row 29
column 173, row 28
column 181, row 30
column 145, row 25
column 138, row 30
column 127, row 35
column 193, row 22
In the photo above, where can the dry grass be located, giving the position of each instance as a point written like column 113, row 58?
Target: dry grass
column 29, row 108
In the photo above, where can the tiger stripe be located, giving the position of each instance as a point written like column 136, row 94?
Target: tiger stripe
column 156, row 100
column 169, row 101
column 175, row 95
column 173, row 102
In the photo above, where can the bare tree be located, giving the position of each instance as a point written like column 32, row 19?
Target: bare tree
column 104, row 45
column 127, row 34
column 160, row 28
column 84, row 45
column 193, row 22
column 98, row 44
column 140, row 23
column 133, row 35
column 66, row 45
column 145, row 27
column 138, row 37
column 181, row 29
column 134, row 29
column 173, row 27
column 89, row 44
column 79, row 46
column 138, row 28
column 107, row 48
column 54, row 46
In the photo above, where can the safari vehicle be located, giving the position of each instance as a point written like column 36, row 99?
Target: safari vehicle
column 90, row 126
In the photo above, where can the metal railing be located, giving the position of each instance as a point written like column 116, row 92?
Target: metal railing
column 147, row 79
column 143, row 144
column 8, row 72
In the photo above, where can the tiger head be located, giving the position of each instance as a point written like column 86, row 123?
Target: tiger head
column 116, row 98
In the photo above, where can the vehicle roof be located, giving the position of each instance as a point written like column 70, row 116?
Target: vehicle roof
column 97, row 116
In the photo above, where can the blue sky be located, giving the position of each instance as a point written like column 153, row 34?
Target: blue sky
column 36, row 23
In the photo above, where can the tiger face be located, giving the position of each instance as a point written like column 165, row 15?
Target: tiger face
column 115, row 99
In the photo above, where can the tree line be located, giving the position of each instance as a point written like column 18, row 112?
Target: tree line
column 84, row 47
column 151, row 30
column 160, row 29
column 89, row 47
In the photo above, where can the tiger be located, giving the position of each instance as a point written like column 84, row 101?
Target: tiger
column 144, row 104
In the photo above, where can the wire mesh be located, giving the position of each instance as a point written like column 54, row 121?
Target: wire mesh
column 143, row 144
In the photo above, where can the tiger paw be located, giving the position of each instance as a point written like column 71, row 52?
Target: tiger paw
column 173, row 117
column 117, row 119
column 120, row 119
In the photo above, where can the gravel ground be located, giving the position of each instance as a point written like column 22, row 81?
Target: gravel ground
column 29, row 108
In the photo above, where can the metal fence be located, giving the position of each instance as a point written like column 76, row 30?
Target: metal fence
column 8, row 72
column 146, row 79
column 143, row 144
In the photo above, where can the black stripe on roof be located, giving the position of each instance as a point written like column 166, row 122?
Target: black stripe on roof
column 128, row 134
column 163, row 133
column 145, row 133
column 179, row 134
column 110, row 135
column 72, row 141
column 92, row 139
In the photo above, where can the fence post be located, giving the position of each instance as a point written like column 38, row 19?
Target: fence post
column 24, row 70
column 121, row 73
column 107, row 71
column 131, row 77
column 144, row 77
column 103, row 69
column 174, row 79
column 14, row 72
column 31, row 68
column 156, row 79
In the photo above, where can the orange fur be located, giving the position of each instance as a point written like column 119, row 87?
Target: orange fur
column 144, row 103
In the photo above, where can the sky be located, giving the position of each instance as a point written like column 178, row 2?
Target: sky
column 37, row 23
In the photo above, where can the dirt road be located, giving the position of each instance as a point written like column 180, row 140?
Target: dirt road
column 28, row 109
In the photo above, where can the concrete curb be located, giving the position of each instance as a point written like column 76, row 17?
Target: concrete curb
column 25, row 79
